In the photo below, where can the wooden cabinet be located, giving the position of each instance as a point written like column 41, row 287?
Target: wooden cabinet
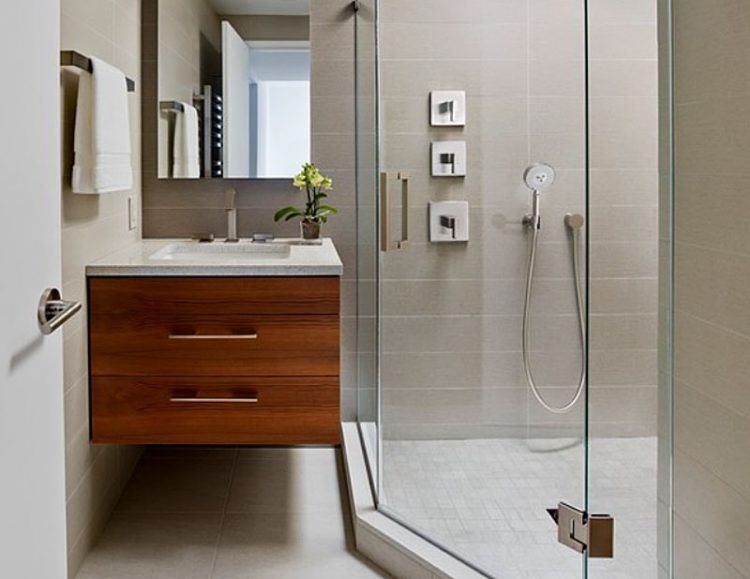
column 201, row 360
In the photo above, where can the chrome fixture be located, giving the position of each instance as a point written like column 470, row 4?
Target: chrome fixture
column 188, row 400
column 78, row 60
column 448, row 108
column 538, row 177
column 449, row 223
column 211, row 125
column 172, row 106
column 449, row 159
column 584, row 532
column 53, row 311
column 385, row 209
column 248, row 336
column 230, row 206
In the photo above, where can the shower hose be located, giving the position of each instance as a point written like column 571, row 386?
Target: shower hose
column 573, row 224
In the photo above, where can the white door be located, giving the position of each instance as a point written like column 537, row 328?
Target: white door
column 32, row 481
column 236, row 86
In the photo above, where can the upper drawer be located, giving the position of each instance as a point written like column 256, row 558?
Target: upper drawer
column 154, row 344
column 214, row 295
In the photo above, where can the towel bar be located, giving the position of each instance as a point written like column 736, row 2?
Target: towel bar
column 171, row 106
column 73, row 58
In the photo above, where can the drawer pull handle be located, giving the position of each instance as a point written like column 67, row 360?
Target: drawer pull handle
column 253, row 336
column 250, row 400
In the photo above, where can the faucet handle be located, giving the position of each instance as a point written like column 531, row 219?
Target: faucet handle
column 230, row 199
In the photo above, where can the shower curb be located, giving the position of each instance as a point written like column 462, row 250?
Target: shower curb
column 391, row 546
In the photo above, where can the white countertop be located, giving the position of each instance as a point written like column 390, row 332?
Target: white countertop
column 303, row 260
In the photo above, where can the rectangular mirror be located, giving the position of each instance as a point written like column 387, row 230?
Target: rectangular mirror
column 234, row 88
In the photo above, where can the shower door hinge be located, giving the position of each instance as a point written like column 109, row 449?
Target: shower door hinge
column 585, row 533
column 355, row 5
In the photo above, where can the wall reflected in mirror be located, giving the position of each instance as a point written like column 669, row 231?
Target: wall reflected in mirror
column 234, row 88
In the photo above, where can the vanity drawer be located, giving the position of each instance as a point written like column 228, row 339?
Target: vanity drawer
column 214, row 295
column 159, row 344
column 179, row 410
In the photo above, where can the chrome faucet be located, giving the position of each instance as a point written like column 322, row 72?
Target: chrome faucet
column 230, row 206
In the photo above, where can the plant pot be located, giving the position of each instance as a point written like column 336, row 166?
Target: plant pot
column 310, row 229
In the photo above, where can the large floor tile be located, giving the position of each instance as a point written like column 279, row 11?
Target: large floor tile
column 154, row 546
column 289, row 482
column 287, row 545
column 175, row 521
column 178, row 486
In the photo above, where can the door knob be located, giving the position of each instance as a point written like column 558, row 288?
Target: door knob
column 53, row 311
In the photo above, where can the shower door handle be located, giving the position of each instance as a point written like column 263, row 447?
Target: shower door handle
column 385, row 209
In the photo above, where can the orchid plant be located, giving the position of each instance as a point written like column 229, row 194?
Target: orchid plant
column 315, row 185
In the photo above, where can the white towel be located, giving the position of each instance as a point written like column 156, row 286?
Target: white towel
column 186, row 156
column 102, row 132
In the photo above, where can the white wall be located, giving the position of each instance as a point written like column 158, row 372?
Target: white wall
column 284, row 128
column 236, row 69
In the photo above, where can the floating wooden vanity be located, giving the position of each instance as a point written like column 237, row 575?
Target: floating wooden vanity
column 214, row 359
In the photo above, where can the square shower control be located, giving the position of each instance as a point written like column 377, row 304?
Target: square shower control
column 448, row 159
column 448, row 108
column 449, row 221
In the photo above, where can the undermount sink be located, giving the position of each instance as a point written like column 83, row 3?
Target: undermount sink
column 222, row 252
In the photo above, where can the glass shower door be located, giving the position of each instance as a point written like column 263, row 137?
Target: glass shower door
column 473, row 352
column 470, row 459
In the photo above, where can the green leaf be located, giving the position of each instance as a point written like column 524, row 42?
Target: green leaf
column 286, row 212
column 327, row 209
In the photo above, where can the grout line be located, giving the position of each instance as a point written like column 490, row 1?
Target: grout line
column 713, row 249
column 224, row 512
column 725, row 329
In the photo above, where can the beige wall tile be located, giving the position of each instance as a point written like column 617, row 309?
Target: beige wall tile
column 712, row 275
column 723, row 522
column 714, row 360
column 702, row 428
column 93, row 226
column 696, row 558
column 713, row 285
column 623, row 41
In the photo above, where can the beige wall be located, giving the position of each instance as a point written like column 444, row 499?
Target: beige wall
column 271, row 27
column 452, row 313
column 182, row 208
column 712, row 272
column 92, row 227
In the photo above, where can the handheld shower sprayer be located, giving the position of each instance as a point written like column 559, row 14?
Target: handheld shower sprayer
column 537, row 178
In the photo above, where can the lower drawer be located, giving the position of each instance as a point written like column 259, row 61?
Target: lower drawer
column 132, row 410
column 216, row 345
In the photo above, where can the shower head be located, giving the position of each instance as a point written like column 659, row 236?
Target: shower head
column 539, row 176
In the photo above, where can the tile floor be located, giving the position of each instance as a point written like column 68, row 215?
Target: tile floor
column 486, row 500
column 231, row 514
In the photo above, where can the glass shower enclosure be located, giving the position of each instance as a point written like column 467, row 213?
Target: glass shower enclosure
column 514, row 278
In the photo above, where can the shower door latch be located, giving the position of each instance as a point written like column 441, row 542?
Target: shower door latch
column 585, row 533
